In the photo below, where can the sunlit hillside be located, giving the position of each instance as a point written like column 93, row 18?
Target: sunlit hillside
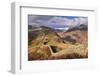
column 46, row 43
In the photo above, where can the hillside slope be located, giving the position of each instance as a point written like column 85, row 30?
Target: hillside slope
column 46, row 43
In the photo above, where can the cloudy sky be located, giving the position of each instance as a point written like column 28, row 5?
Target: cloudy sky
column 56, row 21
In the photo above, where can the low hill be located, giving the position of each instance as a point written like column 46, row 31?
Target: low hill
column 46, row 43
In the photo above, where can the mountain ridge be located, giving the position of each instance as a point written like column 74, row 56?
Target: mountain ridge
column 41, row 37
